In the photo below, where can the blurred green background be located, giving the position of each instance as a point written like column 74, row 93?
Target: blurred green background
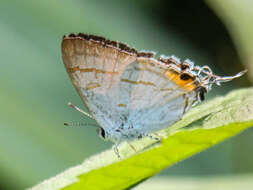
column 35, row 88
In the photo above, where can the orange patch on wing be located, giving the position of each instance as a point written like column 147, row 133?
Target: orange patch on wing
column 185, row 84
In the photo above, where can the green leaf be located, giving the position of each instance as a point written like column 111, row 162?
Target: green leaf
column 203, row 127
column 210, row 182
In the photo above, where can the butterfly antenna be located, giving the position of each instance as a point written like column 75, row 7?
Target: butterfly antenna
column 80, row 110
column 72, row 124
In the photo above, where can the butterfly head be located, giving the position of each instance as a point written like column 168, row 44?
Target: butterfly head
column 111, row 135
column 101, row 133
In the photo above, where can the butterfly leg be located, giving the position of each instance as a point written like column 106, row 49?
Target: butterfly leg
column 132, row 146
column 80, row 110
column 115, row 149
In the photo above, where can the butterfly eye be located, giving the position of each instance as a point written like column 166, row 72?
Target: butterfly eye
column 101, row 133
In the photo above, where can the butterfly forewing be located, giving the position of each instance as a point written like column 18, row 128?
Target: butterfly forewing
column 95, row 72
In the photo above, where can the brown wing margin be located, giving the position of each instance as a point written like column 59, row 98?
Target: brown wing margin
column 105, row 42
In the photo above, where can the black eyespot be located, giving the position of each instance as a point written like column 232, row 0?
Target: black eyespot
column 185, row 76
column 201, row 92
column 102, row 133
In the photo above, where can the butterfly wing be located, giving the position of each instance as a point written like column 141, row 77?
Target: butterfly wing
column 161, row 97
column 95, row 71
column 120, row 85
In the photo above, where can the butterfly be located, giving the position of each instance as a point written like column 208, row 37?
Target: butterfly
column 130, row 93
